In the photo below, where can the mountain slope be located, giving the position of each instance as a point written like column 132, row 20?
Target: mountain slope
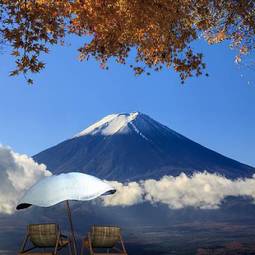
column 134, row 146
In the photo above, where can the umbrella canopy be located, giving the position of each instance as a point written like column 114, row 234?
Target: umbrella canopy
column 54, row 189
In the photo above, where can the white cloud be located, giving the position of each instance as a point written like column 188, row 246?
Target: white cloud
column 201, row 190
column 17, row 174
column 129, row 194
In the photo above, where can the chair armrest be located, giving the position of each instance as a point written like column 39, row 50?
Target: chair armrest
column 63, row 239
column 90, row 243
column 122, row 244
column 30, row 249
column 22, row 249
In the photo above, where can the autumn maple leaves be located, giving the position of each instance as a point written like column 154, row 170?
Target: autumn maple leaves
column 146, row 35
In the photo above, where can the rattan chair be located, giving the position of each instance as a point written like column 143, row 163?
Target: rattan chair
column 46, row 237
column 104, row 240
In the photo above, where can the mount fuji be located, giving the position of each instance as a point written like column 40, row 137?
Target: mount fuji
column 133, row 146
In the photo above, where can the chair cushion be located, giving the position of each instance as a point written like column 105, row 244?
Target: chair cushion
column 104, row 237
column 43, row 235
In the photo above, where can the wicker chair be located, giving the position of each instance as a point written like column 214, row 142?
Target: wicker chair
column 47, row 237
column 104, row 240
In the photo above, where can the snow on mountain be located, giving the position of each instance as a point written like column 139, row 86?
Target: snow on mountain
column 124, row 123
column 114, row 123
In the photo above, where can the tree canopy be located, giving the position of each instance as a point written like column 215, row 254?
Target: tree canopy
column 159, row 31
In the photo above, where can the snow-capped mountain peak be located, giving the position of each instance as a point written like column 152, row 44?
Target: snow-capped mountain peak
column 112, row 124
column 133, row 146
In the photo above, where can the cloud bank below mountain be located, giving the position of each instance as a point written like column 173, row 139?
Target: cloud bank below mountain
column 201, row 190
column 18, row 172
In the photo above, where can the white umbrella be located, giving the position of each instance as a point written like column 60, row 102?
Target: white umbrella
column 54, row 189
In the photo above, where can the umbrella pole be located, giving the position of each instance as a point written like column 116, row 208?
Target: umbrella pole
column 71, row 226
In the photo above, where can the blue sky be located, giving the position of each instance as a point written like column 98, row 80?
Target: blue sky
column 217, row 112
